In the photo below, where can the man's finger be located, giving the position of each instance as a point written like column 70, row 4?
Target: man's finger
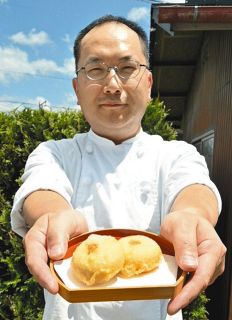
column 182, row 234
column 198, row 282
column 44, row 277
column 61, row 227
column 36, row 260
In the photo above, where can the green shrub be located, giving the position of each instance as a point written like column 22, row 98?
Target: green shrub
column 15, row 282
column 20, row 133
column 155, row 120
column 197, row 309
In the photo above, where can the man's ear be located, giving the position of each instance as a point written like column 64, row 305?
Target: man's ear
column 75, row 88
column 74, row 84
column 150, row 83
column 150, row 79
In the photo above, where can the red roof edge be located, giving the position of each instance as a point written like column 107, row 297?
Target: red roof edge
column 183, row 14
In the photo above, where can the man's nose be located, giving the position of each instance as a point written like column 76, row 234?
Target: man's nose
column 112, row 83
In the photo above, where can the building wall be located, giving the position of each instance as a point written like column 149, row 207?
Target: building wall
column 201, row 101
column 209, row 109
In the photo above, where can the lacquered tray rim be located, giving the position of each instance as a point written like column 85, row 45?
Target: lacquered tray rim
column 69, row 294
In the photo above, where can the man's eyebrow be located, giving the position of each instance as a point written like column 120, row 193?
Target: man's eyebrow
column 126, row 58
column 96, row 59
column 93, row 59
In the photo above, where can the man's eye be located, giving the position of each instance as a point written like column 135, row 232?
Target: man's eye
column 127, row 69
column 96, row 70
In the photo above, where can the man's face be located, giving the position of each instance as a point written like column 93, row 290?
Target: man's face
column 113, row 107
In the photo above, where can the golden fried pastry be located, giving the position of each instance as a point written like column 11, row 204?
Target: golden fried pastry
column 97, row 259
column 142, row 254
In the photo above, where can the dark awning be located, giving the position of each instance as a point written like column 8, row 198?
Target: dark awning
column 176, row 37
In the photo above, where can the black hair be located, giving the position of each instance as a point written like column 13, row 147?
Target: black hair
column 110, row 18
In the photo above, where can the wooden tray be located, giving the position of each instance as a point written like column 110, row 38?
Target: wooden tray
column 104, row 293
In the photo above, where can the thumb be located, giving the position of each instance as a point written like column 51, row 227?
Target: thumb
column 61, row 227
column 186, row 257
column 182, row 233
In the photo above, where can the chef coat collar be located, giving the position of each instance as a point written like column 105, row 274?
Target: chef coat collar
column 104, row 141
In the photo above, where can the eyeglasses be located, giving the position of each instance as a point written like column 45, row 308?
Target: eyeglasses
column 124, row 70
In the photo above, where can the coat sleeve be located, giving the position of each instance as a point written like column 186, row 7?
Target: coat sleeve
column 186, row 167
column 43, row 171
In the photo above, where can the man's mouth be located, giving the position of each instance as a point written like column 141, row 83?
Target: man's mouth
column 112, row 104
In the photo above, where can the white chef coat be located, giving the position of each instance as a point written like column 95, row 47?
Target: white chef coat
column 130, row 185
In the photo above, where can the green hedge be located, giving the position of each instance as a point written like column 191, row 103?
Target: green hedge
column 20, row 133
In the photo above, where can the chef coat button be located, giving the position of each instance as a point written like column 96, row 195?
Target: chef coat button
column 140, row 153
column 87, row 180
column 117, row 182
column 89, row 148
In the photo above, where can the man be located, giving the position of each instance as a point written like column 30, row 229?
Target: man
column 116, row 176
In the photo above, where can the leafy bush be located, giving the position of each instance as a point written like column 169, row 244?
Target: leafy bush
column 197, row 309
column 20, row 133
column 155, row 120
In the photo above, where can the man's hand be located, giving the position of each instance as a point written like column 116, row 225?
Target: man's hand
column 48, row 238
column 198, row 249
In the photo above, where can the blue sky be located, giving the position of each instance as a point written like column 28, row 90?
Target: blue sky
column 36, row 39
